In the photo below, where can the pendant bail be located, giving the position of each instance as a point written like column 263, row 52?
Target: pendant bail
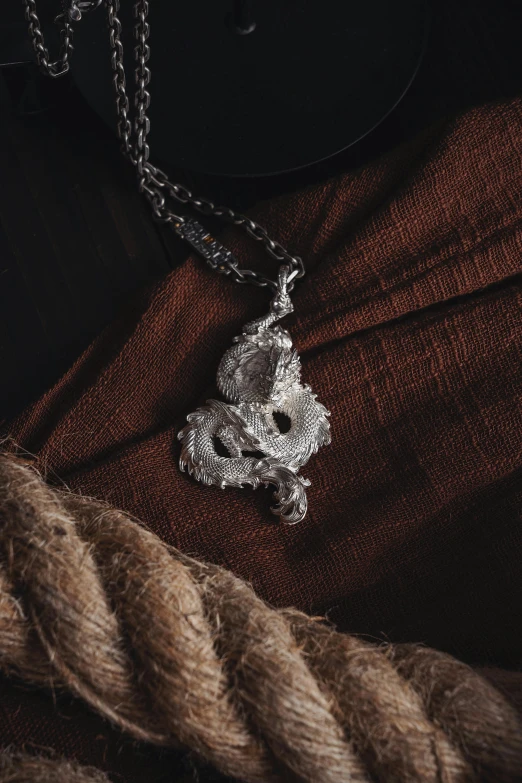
column 281, row 304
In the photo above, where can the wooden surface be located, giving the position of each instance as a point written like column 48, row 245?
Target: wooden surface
column 76, row 240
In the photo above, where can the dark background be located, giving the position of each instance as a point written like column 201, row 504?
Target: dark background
column 76, row 240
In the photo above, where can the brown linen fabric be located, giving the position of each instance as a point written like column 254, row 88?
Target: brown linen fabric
column 409, row 327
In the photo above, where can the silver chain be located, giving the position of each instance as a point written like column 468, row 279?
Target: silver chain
column 153, row 182
column 61, row 65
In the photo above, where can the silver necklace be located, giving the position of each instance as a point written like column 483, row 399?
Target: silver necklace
column 260, row 375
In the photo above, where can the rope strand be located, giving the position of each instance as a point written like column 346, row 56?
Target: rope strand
column 20, row 768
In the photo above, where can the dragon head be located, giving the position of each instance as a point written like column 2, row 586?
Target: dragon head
column 261, row 370
column 284, row 372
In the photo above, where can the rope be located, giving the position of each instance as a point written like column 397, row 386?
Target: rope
column 177, row 652
column 19, row 768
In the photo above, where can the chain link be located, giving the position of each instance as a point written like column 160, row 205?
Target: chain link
column 153, row 182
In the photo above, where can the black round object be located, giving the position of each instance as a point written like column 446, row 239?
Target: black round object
column 251, row 89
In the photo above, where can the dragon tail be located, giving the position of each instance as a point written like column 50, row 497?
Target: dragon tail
column 290, row 489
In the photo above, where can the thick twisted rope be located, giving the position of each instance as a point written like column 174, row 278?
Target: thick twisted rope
column 178, row 652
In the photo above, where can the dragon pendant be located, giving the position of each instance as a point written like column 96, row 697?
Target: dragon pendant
column 260, row 376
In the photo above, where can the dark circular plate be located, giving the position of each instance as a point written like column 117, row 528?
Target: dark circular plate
column 310, row 80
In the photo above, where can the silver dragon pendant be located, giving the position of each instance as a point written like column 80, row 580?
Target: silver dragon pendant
column 260, row 376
